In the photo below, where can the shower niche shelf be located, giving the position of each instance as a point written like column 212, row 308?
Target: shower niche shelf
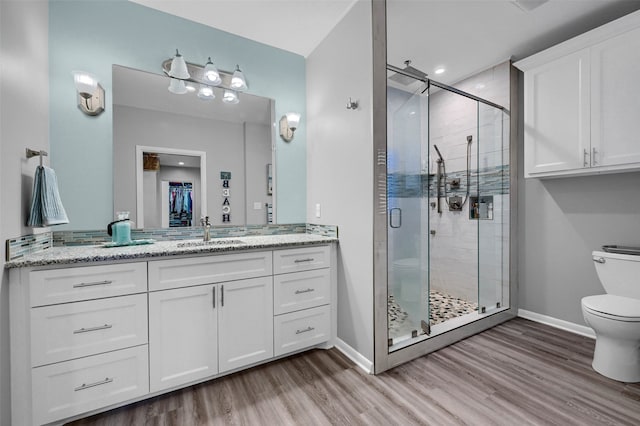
column 481, row 208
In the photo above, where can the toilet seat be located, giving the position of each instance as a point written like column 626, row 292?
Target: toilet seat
column 614, row 307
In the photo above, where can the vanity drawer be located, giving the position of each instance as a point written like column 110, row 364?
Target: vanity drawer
column 301, row 329
column 175, row 273
column 301, row 259
column 73, row 330
column 68, row 388
column 301, row 290
column 88, row 282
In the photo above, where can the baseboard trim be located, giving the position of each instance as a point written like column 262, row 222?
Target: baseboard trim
column 354, row 356
column 557, row 323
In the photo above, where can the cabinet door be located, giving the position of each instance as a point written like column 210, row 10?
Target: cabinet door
column 615, row 100
column 246, row 322
column 183, row 330
column 556, row 114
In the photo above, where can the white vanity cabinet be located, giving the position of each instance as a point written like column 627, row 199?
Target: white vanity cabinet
column 207, row 315
column 302, row 297
column 581, row 103
column 183, row 331
column 89, row 338
column 78, row 340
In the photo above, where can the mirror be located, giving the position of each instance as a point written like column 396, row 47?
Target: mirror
column 226, row 153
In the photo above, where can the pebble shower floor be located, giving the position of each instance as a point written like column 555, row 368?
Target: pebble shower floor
column 442, row 307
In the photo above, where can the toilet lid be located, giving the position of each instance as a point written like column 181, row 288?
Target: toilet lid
column 613, row 305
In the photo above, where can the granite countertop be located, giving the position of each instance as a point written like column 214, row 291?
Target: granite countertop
column 98, row 253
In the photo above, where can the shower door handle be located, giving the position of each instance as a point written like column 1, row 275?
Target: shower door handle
column 397, row 214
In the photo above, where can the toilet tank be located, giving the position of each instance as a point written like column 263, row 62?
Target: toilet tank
column 618, row 273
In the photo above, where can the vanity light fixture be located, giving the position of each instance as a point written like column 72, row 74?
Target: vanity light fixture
column 177, row 86
column 238, row 81
column 288, row 125
column 206, row 92
column 230, row 97
column 179, row 67
column 90, row 93
column 211, row 73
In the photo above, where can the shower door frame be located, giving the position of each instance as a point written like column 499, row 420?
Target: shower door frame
column 383, row 359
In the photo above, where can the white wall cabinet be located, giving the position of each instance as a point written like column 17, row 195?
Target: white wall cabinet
column 581, row 103
column 90, row 338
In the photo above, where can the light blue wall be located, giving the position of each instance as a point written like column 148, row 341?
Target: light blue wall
column 92, row 35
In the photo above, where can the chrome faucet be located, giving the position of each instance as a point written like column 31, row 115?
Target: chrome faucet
column 207, row 228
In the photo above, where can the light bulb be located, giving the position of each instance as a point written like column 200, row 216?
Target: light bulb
column 211, row 73
column 230, row 97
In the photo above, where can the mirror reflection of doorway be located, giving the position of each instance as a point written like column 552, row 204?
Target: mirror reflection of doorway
column 178, row 204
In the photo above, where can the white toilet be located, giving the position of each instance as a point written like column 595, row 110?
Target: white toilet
column 615, row 316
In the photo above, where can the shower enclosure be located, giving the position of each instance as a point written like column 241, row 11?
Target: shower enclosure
column 447, row 196
column 444, row 190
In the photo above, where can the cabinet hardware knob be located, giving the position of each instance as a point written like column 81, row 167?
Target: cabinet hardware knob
column 309, row 259
column 91, row 385
column 593, row 157
column 308, row 290
column 105, row 282
column 305, row 330
column 88, row 329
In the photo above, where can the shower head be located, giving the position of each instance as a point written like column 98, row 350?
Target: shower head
column 438, row 151
column 406, row 80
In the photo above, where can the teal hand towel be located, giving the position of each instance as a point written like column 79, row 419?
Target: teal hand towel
column 46, row 205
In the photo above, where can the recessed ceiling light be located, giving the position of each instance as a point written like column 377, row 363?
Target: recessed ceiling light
column 439, row 70
column 180, row 163
column 480, row 86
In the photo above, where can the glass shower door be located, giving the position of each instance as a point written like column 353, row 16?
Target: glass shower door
column 491, row 209
column 407, row 229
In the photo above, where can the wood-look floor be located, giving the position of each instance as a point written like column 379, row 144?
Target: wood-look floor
column 518, row 373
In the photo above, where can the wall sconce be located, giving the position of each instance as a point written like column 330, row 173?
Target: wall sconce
column 288, row 125
column 90, row 93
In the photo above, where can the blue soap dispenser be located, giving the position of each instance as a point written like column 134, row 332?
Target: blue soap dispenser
column 120, row 230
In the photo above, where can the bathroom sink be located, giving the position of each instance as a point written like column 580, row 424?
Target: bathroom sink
column 209, row 243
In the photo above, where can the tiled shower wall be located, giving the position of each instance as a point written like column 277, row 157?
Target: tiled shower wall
column 464, row 249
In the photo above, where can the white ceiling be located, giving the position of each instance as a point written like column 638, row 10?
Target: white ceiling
column 464, row 36
column 294, row 25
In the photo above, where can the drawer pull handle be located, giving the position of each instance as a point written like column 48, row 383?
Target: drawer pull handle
column 305, row 330
column 91, row 385
column 309, row 259
column 105, row 282
column 309, row 290
column 88, row 329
